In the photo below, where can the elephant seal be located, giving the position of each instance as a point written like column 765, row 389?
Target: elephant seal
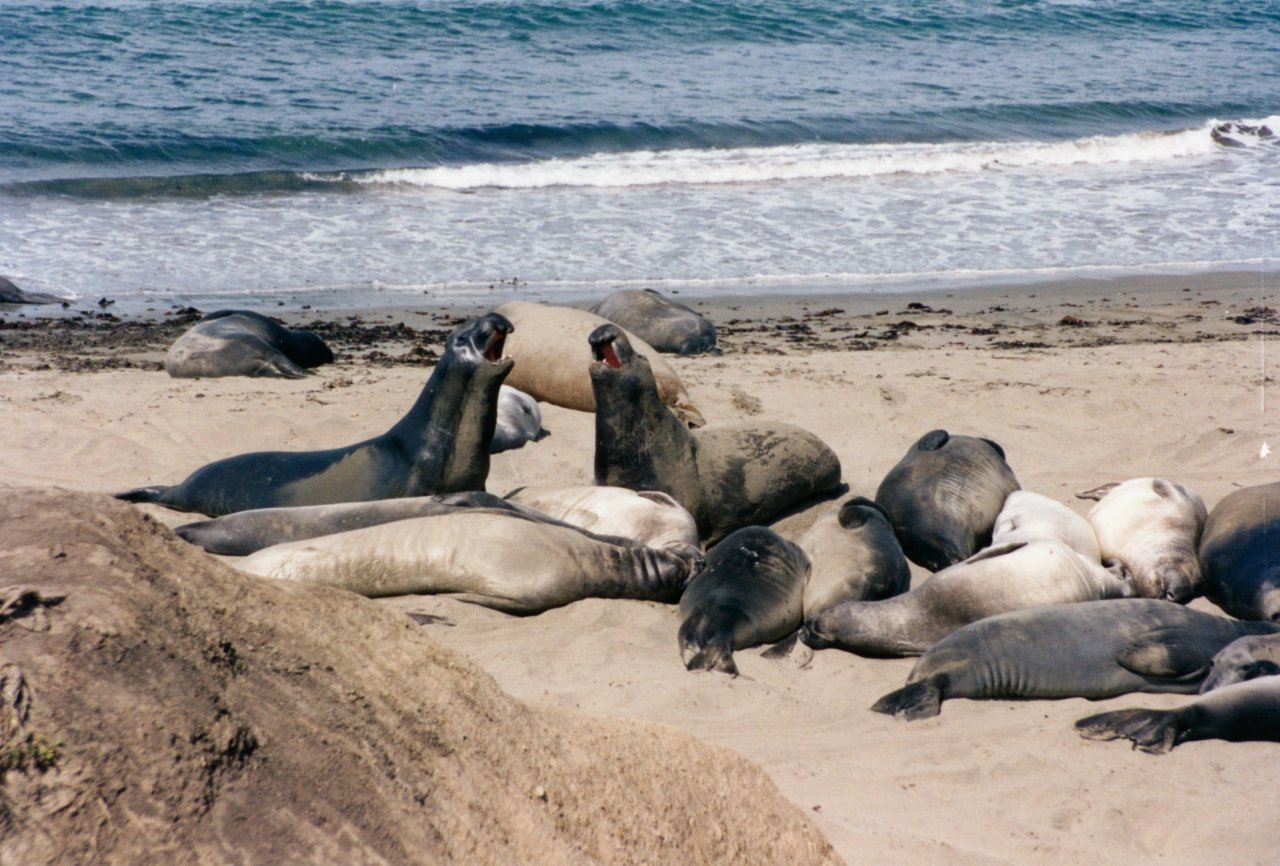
column 1093, row 649
column 728, row 476
column 519, row 420
column 1244, row 659
column 1240, row 553
column 1153, row 526
column 659, row 321
column 646, row 517
column 944, row 495
column 750, row 591
column 1244, row 712
column 244, row 343
column 440, row 446
column 854, row 556
column 550, row 342
column 497, row 559
column 1028, row 516
column 11, row 294
column 1002, row 578
column 246, row 532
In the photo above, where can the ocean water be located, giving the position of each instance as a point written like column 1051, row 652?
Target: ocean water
column 157, row 151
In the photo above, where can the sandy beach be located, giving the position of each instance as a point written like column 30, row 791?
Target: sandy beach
column 1082, row 382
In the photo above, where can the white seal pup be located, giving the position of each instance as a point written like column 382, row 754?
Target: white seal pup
column 440, row 446
column 492, row 558
column 728, row 476
column 997, row 580
column 647, row 517
column 1153, row 526
column 519, row 420
column 1028, row 516
column 750, row 591
column 1243, row 712
column 1094, row 649
column 244, row 343
column 943, row 497
column 666, row 325
column 1240, row 553
column 1245, row 659
column 551, row 345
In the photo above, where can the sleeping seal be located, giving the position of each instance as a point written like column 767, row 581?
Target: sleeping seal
column 244, row 343
column 245, row 532
column 1240, row 553
column 1093, row 649
column 727, row 476
column 944, row 495
column 1243, row 712
column 646, row 517
column 1244, row 659
column 999, row 579
column 550, row 342
column 659, row 321
column 1153, row 526
column 854, row 556
column 1028, row 516
column 750, row 591
column 497, row 559
column 519, row 420
column 440, row 446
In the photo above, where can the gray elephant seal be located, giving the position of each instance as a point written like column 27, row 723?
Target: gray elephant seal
column 246, row 532
column 750, row 591
column 1240, row 553
column 728, row 476
column 659, row 321
column 997, row 580
column 492, row 558
column 854, row 557
column 1153, row 526
column 1244, row 659
column 1243, row 712
column 519, row 420
column 440, row 446
column 944, row 495
column 1093, row 649
column 551, row 343
column 11, row 294
column 244, row 343
column 646, row 517
column 1028, row 516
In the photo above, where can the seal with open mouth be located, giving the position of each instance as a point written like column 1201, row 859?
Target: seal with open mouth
column 727, row 476
column 440, row 446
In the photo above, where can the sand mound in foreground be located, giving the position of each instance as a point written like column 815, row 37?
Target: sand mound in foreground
column 196, row 715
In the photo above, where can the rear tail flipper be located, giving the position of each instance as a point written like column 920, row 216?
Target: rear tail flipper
column 919, row 700
column 145, row 494
column 1154, row 731
column 716, row 657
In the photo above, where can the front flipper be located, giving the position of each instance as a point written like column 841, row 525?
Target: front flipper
column 1166, row 654
column 145, row 494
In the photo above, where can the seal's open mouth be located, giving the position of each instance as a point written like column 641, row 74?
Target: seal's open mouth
column 604, row 353
column 493, row 351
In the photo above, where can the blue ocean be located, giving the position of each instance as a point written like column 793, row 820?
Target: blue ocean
column 163, row 152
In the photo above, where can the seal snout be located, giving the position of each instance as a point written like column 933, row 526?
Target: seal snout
column 494, row 330
column 605, row 343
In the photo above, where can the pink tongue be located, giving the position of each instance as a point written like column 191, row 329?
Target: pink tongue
column 609, row 357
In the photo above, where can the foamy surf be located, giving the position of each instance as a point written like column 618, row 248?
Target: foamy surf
column 827, row 161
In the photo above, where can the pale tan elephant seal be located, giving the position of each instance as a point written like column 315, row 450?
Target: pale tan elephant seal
column 550, row 348
column 647, row 517
column 1153, row 526
column 1028, row 516
column 488, row 557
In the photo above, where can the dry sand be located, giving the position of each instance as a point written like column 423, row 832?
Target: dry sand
column 1081, row 383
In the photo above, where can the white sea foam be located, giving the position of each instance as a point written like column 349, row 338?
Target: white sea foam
column 821, row 161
